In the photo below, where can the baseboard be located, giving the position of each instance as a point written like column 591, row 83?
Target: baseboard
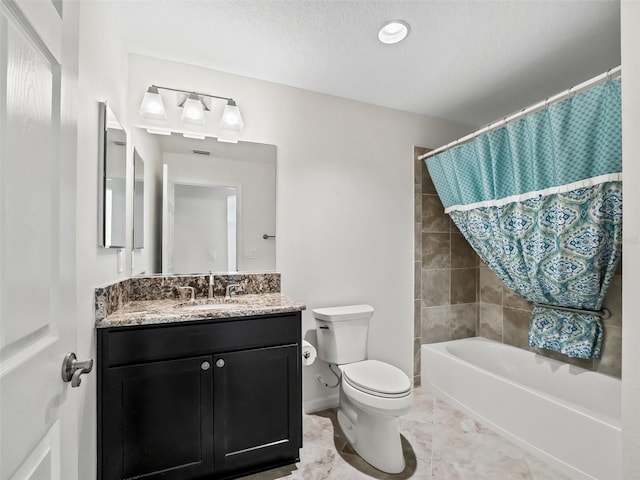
column 318, row 404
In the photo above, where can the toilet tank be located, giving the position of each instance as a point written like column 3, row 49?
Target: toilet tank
column 342, row 333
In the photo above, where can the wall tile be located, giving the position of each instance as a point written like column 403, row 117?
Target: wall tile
column 436, row 251
column 417, row 172
column 610, row 361
column 463, row 285
column 463, row 321
column 417, row 279
column 417, row 206
column 490, row 287
column 433, row 216
column 456, row 230
column 417, row 317
column 511, row 300
column 613, row 302
column 427, row 184
column 435, row 324
column 417, row 241
column 436, row 287
column 515, row 327
column 491, row 321
column 416, row 356
column 462, row 255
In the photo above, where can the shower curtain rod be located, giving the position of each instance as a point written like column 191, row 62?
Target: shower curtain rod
column 608, row 75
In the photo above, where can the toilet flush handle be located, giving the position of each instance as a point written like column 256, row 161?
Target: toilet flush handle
column 324, row 327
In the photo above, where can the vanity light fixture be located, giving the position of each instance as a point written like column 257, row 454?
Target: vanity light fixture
column 194, row 106
column 193, row 111
column 152, row 107
column 231, row 118
column 393, row 32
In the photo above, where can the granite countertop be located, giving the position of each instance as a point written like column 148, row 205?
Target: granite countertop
column 149, row 312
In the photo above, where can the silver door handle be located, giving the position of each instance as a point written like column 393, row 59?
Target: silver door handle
column 72, row 368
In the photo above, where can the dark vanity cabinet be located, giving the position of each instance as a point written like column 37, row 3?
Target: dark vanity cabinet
column 207, row 399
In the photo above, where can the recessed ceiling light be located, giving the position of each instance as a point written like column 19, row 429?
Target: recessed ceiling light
column 393, row 32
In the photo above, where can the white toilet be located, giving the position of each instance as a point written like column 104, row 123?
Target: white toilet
column 373, row 394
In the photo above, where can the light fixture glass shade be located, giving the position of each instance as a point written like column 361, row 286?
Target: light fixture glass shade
column 152, row 107
column 193, row 111
column 231, row 119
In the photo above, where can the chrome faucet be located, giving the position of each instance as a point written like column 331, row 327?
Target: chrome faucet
column 210, row 284
column 193, row 292
column 233, row 289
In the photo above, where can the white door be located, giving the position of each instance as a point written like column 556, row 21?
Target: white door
column 168, row 216
column 38, row 426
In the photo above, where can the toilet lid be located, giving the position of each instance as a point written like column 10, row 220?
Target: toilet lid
column 377, row 378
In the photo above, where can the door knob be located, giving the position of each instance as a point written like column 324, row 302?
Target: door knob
column 220, row 363
column 72, row 368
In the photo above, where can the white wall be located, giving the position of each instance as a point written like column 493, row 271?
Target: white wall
column 102, row 77
column 630, row 14
column 345, row 203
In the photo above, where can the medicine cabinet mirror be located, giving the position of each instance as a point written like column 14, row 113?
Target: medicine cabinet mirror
column 112, row 182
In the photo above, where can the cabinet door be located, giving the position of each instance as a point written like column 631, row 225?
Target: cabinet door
column 258, row 407
column 158, row 420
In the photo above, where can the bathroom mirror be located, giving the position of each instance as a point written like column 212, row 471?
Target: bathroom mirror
column 138, row 200
column 112, row 180
column 215, row 206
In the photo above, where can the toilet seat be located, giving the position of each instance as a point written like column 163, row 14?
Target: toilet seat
column 377, row 378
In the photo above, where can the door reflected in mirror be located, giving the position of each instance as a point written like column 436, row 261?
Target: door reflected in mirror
column 215, row 206
column 204, row 228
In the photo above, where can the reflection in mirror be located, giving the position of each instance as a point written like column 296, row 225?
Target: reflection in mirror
column 112, row 191
column 218, row 203
column 204, row 228
column 138, row 200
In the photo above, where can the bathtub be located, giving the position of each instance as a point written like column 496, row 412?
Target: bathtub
column 564, row 414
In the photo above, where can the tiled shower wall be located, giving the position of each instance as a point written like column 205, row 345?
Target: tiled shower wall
column 457, row 296
column 446, row 271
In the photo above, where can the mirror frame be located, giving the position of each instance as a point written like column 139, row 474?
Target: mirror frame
column 102, row 177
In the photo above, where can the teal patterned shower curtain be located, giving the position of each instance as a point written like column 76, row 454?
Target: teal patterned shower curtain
column 540, row 200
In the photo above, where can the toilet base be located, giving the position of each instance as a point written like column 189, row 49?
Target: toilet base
column 375, row 438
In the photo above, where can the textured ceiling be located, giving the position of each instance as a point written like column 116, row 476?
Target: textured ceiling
column 467, row 61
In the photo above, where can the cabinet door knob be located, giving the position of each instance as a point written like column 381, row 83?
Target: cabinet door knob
column 205, row 365
column 220, row 363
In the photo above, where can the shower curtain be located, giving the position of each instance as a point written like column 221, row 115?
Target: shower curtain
column 540, row 200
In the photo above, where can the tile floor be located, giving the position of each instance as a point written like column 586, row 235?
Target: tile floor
column 439, row 441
